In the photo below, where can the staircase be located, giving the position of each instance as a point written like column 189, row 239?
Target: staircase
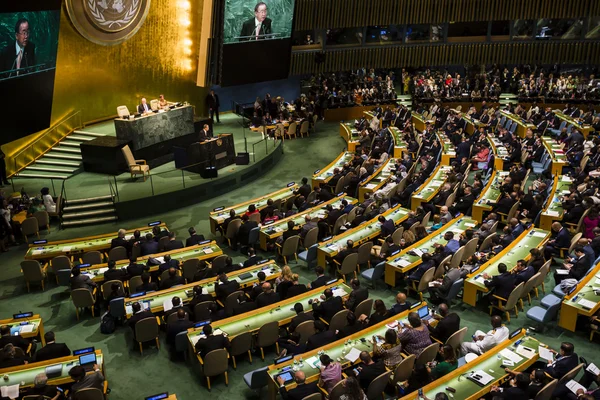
column 62, row 161
column 92, row 210
column 506, row 98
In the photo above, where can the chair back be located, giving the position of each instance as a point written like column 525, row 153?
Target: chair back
column 202, row 311
column 268, row 334
column 339, row 186
column 450, row 199
column 255, row 217
column 457, row 338
column 413, row 228
column 311, row 254
column 306, row 329
column 428, row 354
column 134, row 282
column 240, row 344
column 384, row 248
column 349, row 264
column 92, row 257
column 546, row 392
column 365, row 307
column 88, row 394
column 232, row 228
column 404, row 369
column 487, row 242
column 337, row 390
column 351, row 215
column 311, row 237
column 457, row 257
column 30, row 226
column 117, row 253
column 165, row 274
column 515, row 295
column 425, row 220
column 304, row 128
column 289, row 204
column 253, row 235
column 570, row 375
column 440, row 271
column 106, row 288
column 258, row 378
column 42, row 217
column 378, row 272
column 454, row 290
column 397, row 235
column 544, row 269
column 339, row 320
column 292, row 128
column 181, row 342
column 290, row 246
column 377, row 386
column 32, row 270
column 574, row 241
column 82, row 298
column 216, row 363
column 312, row 196
column 364, row 253
column 189, row 268
column 530, row 284
column 146, row 329
column 470, row 248
column 219, row 262
column 122, row 111
column 338, row 224
column 64, row 277
column 128, row 155
column 425, row 279
column 60, row 262
column 231, row 301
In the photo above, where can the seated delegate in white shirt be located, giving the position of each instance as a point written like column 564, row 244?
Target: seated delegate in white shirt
column 485, row 341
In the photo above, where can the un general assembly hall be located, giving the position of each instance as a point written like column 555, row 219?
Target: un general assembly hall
column 300, row 200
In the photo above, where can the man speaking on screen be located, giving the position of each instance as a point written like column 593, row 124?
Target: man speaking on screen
column 20, row 53
column 256, row 27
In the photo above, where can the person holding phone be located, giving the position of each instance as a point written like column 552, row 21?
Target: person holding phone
column 41, row 388
column 388, row 348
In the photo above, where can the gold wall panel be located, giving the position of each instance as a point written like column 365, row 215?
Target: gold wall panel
column 160, row 58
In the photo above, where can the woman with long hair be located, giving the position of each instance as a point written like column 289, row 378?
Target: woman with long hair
column 449, row 364
column 352, row 390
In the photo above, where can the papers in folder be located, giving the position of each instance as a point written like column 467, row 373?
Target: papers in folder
column 587, row 304
column 314, row 362
column 539, row 234
column 167, row 305
column 11, row 391
column 339, row 292
column 593, row 369
column 353, row 355
column 481, row 377
column 546, row 354
column 511, row 355
column 525, row 352
column 574, row 386
column 37, row 252
column 561, row 271
column 403, row 263
column 160, row 259
column 418, row 252
column 27, row 328
column 208, row 250
column 552, row 213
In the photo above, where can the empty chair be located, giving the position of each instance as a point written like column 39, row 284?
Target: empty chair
column 232, row 230
column 311, row 237
column 339, row 320
column 215, row 363
column 543, row 315
column 377, row 386
column 304, row 128
column 58, row 263
column 189, row 268
column 306, row 329
column 364, row 254
column 257, row 379
column 43, row 219
column 546, row 392
column 117, row 253
column 33, row 272
column 240, row 344
column 63, row 277
column 202, row 311
column 365, row 307
column 136, row 167
column 83, row 298
column 404, row 369
column 374, row 274
column 348, row 265
column 30, row 227
column 117, row 308
column 289, row 248
column 505, row 305
column 423, row 284
column 146, row 330
column 267, row 336
column 428, row 354
column 309, row 256
column 253, row 235
column 92, row 257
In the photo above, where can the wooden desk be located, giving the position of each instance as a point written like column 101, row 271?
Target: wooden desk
column 472, row 125
column 448, row 150
column 322, row 176
column 554, row 210
column 25, row 374
column 489, row 194
column 499, row 151
column 517, row 250
column 403, row 262
column 206, row 251
column 583, row 128
column 350, row 135
column 557, row 153
column 490, row 362
column 363, row 233
column 35, row 320
column 282, row 312
column 418, row 121
column 377, row 179
column 522, row 126
column 186, row 293
column 272, row 231
column 220, row 214
column 571, row 307
column 430, row 187
column 336, row 350
column 400, row 146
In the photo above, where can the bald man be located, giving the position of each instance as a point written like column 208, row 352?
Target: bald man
column 401, row 304
column 301, row 390
column 445, row 215
column 561, row 238
column 268, row 296
column 483, row 342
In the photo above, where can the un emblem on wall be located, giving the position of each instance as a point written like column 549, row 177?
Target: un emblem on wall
column 107, row 22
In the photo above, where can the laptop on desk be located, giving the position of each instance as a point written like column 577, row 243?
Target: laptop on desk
column 87, row 361
column 424, row 313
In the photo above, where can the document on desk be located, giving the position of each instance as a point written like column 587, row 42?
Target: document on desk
column 480, row 279
column 160, row 259
column 371, row 186
column 27, row 328
column 37, row 252
column 511, row 355
column 208, row 250
column 470, row 224
column 11, row 391
column 418, row 252
column 587, row 304
column 546, row 354
column 167, row 305
column 353, row 355
column 539, row 234
column 561, row 271
column 403, row 263
column 314, row 362
column 339, row 292
column 552, row 213
column 525, row 352
column 574, row 386
column 593, row 369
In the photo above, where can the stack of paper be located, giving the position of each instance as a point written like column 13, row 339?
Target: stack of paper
column 27, row 328
column 160, row 259
column 574, row 386
column 552, row 213
column 561, row 271
column 314, row 362
column 587, row 304
column 546, row 354
column 339, row 292
column 66, row 249
column 208, row 250
column 167, row 305
column 36, row 252
column 353, row 355
column 511, row 355
column 525, row 352
column 403, row 263
column 11, row 391
column 539, row 234
column 593, row 369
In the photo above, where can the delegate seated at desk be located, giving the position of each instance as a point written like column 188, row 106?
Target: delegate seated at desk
column 144, row 108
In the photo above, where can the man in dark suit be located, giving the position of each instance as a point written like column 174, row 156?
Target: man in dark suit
column 144, row 108
column 243, row 305
column 327, row 308
column 268, row 296
column 516, row 392
column 368, row 369
column 20, row 53
column 210, row 342
column 301, row 390
column 226, row 287
column 523, row 272
column 305, row 189
column 577, row 269
column 321, row 278
column 135, row 240
column 252, row 260
column 564, row 362
column 79, row 281
column 561, row 240
column 464, row 204
column 172, row 280
column 181, row 324
column 120, row 240
column 245, row 228
column 52, row 349
column 138, row 315
column 401, row 304
column 357, row 295
column 134, row 269
column 502, row 284
column 149, row 246
column 113, row 273
column 146, row 285
column 213, row 105
column 259, row 25
column 322, row 337
column 387, row 226
column 257, row 288
column 448, row 323
column 194, row 238
column 15, row 340
column 205, row 133
column 173, row 243
column 177, row 304
column 167, row 264
column 300, row 317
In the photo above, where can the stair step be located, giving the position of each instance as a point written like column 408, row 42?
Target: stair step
column 91, row 213
column 85, row 133
column 66, row 150
column 25, row 174
column 63, row 155
column 87, row 206
column 43, row 161
column 89, row 221
column 80, row 138
column 70, row 143
column 89, row 200
column 33, row 167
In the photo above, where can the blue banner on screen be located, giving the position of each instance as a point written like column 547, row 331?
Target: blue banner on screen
column 28, row 47
column 252, row 20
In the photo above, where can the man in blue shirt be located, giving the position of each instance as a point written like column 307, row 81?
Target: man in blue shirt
column 451, row 246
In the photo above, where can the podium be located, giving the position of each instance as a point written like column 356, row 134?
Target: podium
column 217, row 152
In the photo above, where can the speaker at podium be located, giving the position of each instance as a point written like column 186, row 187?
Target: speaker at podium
column 216, row 153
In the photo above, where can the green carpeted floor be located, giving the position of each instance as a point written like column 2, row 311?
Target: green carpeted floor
column 132, row 376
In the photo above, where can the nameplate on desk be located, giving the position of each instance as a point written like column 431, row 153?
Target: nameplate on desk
column 155, row 223
column 158, row 396
column 395, row 252
column 291, row 184
column 331, row 281
column 340, row 194
column 316, row 172
column 263, row 261
column 83, row 351
column 268, row 223
column 218, row 209
column 84, row 265
column 140, row 294
column 515, row 333
column 201, row 323
column 28, row 314
column 204, row 242
column 43, row 241
column 417, row 304
column 327, row 238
